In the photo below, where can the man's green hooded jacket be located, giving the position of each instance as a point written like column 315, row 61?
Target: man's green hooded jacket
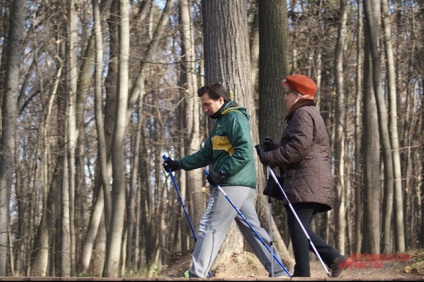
column 229, row 148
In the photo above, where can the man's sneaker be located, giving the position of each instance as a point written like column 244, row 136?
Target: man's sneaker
column 338, row 266
column 280, row 274
column 186, row 274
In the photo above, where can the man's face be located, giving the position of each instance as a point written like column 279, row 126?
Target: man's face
column 210, row 106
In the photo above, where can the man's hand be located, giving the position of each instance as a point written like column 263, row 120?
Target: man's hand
column 215, row 178
column 269, row 145
column 262, row 155
column 171, row 165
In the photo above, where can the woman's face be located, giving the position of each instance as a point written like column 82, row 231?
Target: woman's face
column 290, row 97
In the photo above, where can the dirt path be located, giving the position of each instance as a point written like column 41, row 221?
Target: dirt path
column 247, row 266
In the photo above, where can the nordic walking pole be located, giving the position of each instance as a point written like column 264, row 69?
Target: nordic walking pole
column 298, row 219
column 271, row 243
column 254, row 231
column 182, row 204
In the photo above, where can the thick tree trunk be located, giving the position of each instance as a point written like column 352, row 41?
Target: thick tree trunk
column 226, row 55
column 273, row 67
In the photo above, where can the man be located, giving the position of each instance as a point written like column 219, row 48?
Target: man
column 229, row 153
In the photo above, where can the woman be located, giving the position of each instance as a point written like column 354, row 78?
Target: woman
column 303, row 156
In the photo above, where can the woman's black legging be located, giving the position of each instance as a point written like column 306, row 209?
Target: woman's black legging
column 301, row 245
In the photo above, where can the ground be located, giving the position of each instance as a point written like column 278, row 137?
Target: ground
column 246, row 266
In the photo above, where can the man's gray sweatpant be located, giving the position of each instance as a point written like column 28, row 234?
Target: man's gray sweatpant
column 216, row 221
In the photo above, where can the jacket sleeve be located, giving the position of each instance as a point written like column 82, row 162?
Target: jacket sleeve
column 200, row 159
column 296, row 142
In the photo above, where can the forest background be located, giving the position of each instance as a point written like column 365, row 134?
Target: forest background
column 94, row 93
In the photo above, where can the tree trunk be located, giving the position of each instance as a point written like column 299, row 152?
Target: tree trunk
column 97, row 211
column 372, row 15
column 68, row 232
column 273, row 60
column 10, row 91
column 358, row 188
column 191, row 113
column 371, row 162
column 226, row 56
column 339, row 142
column 113, row 251
column 393, row 132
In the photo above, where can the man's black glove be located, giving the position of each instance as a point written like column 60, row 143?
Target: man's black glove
column 171, row 165
column 269, row 145
column 215, row 178
column 262, row 155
